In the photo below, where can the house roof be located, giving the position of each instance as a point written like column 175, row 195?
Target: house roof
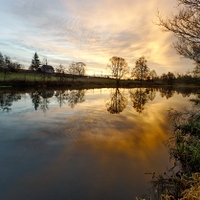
column 47, row 67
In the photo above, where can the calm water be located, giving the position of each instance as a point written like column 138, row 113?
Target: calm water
column 89, row 144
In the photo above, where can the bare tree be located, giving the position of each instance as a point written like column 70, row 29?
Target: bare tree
column 77, row 68
column 141, row 71
column 61, row 71
column 168, row 78
column 186, row 27
column 196, row 71
column 2, row 61
column 80, row 68
column 118, row 67
column 46, row 70
column 153, row 75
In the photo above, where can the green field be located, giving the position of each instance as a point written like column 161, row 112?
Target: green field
column 24, row 79
column 16, row 76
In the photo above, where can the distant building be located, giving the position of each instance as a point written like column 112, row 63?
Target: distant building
column 47, row 69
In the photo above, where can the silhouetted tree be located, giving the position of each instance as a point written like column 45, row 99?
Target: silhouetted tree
column 61, row 71
column 2, row 62
column 3, row 66
column 6, row 64
column 171, row 77
column 43, row 73
column 80, row 68
column 77, row 68
column 35, row 63
column 15, row 66
column 196, row 71
column 118, row 67
column 141, row 71
column 153, row 75
column 168, row 78
column 185, row 25
column 117, row 103
column 71, row 70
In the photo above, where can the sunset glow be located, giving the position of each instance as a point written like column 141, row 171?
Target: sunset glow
column 89, row 31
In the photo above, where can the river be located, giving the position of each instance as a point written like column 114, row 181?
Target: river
column 85, row 144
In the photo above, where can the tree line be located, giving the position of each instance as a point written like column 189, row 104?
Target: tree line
column 185, row 25
column 118, row 68
column 75, row 68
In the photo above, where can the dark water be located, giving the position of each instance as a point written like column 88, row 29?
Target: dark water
column 89, row 144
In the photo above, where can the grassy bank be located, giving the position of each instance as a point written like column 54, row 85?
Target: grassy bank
column 182, row 181
column 38, row 80
column 27, row 79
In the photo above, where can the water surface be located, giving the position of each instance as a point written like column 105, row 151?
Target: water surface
column 84, row 144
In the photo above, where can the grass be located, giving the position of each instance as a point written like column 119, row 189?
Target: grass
column 16, row 76
column 182, row 183
column 24, row 79
column 39, row 76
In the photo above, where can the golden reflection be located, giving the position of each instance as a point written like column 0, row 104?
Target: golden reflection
column 167, row 91
column 114, row 150
column 128, row 135
column 140, row 97
column 117, row 102
column 91, row 151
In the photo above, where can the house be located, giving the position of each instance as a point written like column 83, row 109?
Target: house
column 47, row 69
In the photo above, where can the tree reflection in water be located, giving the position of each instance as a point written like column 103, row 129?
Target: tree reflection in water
column 72, row 97
column 6, row 100
column 140, row 97
column 61, row 96
column 75, row 96
column 41, row 99
column 36, row 99
column 167, row 92
column 117, row 103
column 46, row 95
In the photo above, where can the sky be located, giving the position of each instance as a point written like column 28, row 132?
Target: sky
column 64, row 31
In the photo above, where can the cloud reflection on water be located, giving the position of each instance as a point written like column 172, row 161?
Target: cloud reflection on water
column 84, row 152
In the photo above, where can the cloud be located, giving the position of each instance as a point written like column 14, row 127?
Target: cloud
column 89, row 30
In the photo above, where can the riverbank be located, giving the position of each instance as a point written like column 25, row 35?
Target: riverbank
column 183, row 180
column 26, row 79
column 92, row 83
